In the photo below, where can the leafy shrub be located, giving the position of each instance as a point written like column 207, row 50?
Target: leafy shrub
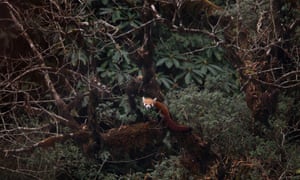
column 226, row 123
column 170, row 168
column 211, row 112
column 186, row 58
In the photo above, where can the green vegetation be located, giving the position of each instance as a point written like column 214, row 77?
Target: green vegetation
column 225, row 121
column 221, row 73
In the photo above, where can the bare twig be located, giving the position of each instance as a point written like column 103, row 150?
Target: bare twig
column 15, row 16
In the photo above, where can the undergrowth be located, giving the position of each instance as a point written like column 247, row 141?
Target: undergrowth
column 246, row 149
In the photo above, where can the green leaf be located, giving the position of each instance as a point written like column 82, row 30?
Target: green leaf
column 125, row 56
column 166, row 82
column 162, row 61
column 120, row 78
column 198, row 72
column 198, row 79
column 211, row 70
column 169, row 64
column 216, row 67
column 104, row 65
column 209, row 53
column 116, row 16
column 116, row 57
column 99, row 69
column 132, row 70
column 179, row 76
column 73, row 57
column 204, row 69
column 73, row 61
column 176, row 63
column 188, row 78
column 104, row 2
column 82, row 56
column 218, row 55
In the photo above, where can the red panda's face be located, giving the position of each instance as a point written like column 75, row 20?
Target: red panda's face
column 148, row 102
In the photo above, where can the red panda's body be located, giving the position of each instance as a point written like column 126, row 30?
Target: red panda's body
column 171, row 124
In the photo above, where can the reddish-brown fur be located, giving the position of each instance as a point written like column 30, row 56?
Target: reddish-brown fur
column 171, row 124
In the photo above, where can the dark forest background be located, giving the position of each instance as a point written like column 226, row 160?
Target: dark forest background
column 73, row 74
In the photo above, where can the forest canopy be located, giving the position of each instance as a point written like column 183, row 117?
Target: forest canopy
column 222, row 78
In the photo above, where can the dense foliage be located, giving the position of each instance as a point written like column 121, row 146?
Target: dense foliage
column 60, row 50
column 252, row 151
